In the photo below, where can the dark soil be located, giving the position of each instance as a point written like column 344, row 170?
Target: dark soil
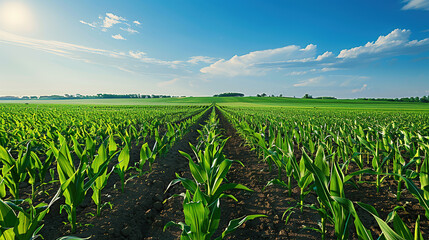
column 134, row 211
column 139, row 213
column 274, row 200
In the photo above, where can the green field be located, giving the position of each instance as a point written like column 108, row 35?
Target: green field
column 128, row 153
column 246, row 101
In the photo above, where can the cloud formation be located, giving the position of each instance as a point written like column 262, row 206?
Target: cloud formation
column 168, row 83
column 111, row 19
column 132, row 62
column 118, row 37
column 304, row 60
column 128, row 29
column 258, row 62
column 93, row 25
column 54, row 47
column 363, row 88
column 309, row 82
column 395, row 43
column 107, row 23
column 416, row 4
column 201, row 59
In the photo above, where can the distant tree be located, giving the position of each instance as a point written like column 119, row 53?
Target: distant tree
column 230, row 94
column 258, row 95
column 263, row 95
column 281, row 95
column 307, row 96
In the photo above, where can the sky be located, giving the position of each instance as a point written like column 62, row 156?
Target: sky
column 346, row 49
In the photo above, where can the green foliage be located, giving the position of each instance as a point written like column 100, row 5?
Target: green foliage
column 201, row 205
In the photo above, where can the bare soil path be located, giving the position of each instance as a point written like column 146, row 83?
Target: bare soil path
column 134, row 211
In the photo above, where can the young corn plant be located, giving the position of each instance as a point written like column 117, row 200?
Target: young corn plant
column 38, row 170
column 148, row 155
column 202, row 206
column 122, row 167
column 73, row 184
column 333, row 206
column 202, row 219
column 14, row 171
column 379, row 160
column 292, row 168
column 424, row 174
column 17, row 223
column 209, row 172
column 400, row 231
column 403, row 168
column 97, row 168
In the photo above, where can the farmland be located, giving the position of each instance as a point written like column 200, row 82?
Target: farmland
column 236, row 168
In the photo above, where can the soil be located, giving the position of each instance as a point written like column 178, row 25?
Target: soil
column 134, row 211
column 140, row 213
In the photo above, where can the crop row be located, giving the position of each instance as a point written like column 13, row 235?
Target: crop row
column 322, row 151
column 201, row 204
column 85, row 145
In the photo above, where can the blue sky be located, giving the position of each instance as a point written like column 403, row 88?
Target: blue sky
column 346, row 49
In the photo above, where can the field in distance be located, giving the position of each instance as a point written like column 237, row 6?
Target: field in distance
column 246, row 101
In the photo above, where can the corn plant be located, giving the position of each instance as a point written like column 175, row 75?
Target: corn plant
column 403, row 168
column 379, row 160
column 209, row 173
column 424, row 175
column 291, row 167
column 38, row 169
column 147, row 155
column 14, row 171
column 122, row 166
column 17, row 223
column 73, row 184
column 98, row 168
column 333, row 206
column 202, row 206
column 400, row 231
column 202, row 219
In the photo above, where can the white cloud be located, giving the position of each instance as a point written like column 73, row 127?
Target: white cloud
column 168, row 83
column 309, row 82
column 363, row 88
column 137, row 54
column 142, row 57
column 128, row 29
column 304, row 60
column 111, row 19
column 93, row 25
column 203, row 59
column 118, row 37
column 395, row 43
column 324, row 56
column 327, row 69
column 107, row 22
column 255, row 63
column 297, row 73
column 51, row 46
column 416, row 4
column 133, row 61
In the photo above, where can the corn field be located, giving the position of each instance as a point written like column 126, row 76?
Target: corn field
column 212, row 172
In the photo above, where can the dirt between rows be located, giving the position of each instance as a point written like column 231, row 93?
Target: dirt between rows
column 134, row 211
column 274, row 200
column 140, row 213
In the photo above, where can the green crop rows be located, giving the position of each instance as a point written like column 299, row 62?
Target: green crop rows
column 331, row 143
column 68, row 152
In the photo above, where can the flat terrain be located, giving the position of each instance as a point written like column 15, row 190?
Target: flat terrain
column 245, row 101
